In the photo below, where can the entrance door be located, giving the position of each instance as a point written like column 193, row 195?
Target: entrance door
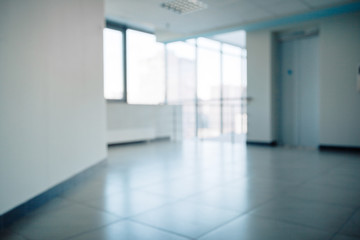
column 298, row 102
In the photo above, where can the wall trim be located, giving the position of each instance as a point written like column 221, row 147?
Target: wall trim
column 158, row 139
column 339, row 148
column 27, row 207
column 126, row 143
column 268, row 144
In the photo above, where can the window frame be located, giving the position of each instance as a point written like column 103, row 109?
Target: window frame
column 164, row 70
column 121, row 28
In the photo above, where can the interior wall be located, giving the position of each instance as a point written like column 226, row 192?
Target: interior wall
column 51, row 94
column 339, row 101
column 129, row 123
column 259, row 86
column 339, row 98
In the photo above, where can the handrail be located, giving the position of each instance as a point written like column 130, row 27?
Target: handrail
column 217, row 100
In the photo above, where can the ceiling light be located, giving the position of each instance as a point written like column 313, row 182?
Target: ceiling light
column 184, row 6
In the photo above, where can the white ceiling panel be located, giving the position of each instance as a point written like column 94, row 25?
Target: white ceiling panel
column 217, row 3
column 324, row 3
column 237, row 38
column 219, row 15
column 267, row 3
column 258, row 14
column 285, row 8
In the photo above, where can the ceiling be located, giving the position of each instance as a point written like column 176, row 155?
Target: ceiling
column 235, row 38
column 217, row 17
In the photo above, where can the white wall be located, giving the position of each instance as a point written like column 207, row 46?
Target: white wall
column 259, row 87
column 128, row 123
column 339, row 100
column 52, row 122
column 339, row 54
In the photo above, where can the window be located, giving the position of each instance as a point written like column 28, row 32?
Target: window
column 206, row 77
column 208, row 44
column 209, row 86
column 209, row 81
column 181, row 82
column 231, row 72
column 113, row 64
column 181, row 72
column 145, row 68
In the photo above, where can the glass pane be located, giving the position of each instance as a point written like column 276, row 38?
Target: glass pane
column 234, row 121
column 231, row 76
column 232, row 116
column 208, row 74
column 209, row 44
column 229, row 49
column 244, row 71
column 191, row 41
column 188, row 120
column 145, row 68
column 209, row 119
column 113, row 64
column 181, row 72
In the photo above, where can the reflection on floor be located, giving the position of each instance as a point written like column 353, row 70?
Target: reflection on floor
column 206, row 190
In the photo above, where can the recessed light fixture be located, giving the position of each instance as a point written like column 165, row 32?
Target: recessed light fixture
column 184, row 6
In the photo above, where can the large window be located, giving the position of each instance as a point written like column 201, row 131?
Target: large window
column 145, row 68
column 231, row 72
column 209, row 80
column 113, row 64
column 208, row 88
column 206, row 77
column 181, row 82
column 181, row 72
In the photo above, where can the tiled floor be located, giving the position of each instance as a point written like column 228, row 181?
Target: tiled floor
column 206, row 190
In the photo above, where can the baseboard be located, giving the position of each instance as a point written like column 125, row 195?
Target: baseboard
column 130, row 135
column 126, row 143
column 268, row 144
column 339, row 148
column 16, row 213
column 159, row 139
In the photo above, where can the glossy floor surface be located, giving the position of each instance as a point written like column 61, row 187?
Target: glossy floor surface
column 206, row 190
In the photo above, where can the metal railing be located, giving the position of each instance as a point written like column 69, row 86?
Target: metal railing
column 216, row 119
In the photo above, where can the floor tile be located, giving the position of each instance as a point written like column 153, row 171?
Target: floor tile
column 171, row 189
column 352, row 227
column 284, row 174
column 343, row 237
column 270, row 186
column 339, row 180
column 8, row 235
column 347, row 169
column 307, row 213
column 187, row 219
column 62, row 223
column 125, row 178
column 327, row 194
column 127, row 230
column 254, row 228
column 219, row 174
column 130, row 178
column 182, row 188
column 91, row 189
column 52, row 205
column 129, row 203
column 236, row 199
